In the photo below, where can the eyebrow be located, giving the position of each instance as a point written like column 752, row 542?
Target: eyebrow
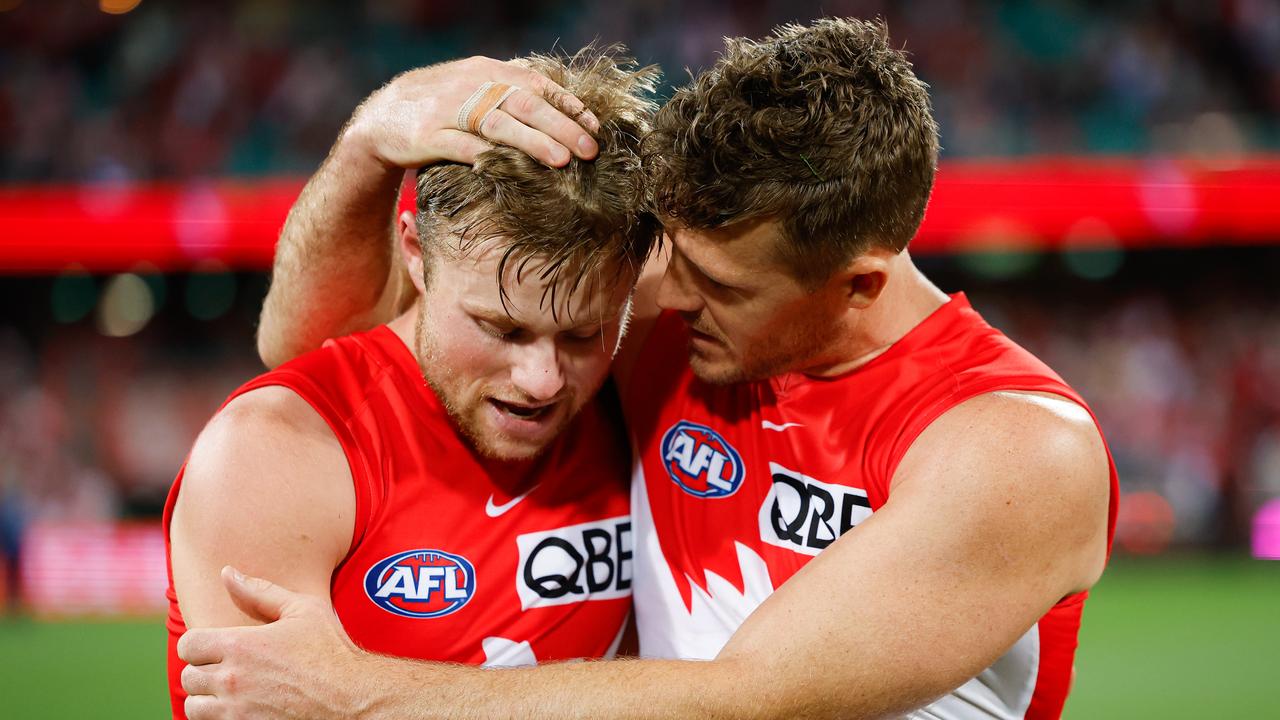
column 503, row 319
column 701, row 270
column 490, row 315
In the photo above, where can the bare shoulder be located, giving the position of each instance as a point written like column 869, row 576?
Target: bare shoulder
column 275, row 409
column 266, row 434
column 1045, row 430
column 1032, row 430
column 1026, row 466
column 267, row 488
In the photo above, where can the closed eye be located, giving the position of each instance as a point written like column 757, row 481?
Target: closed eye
column 582, row 336
column 716, row 284
column 506, row 333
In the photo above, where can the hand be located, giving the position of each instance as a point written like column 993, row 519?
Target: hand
column 412, row 120
column 301, row 664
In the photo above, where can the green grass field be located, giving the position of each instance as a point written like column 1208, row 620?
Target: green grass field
column 1171, row 638
column 1181, row 638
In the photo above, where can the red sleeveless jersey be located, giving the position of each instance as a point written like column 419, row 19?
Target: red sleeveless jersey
column 445, row 564
column 737, row 487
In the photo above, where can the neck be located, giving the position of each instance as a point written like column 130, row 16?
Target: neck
column 406, row 327
column 907, row 299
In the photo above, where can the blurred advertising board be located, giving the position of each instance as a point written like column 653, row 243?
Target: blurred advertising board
column 93, row 569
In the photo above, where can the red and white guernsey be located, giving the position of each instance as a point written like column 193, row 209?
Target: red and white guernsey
column 446, row 562
column 737, row 487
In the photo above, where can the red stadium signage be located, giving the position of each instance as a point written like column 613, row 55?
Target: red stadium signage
column 1043, row 203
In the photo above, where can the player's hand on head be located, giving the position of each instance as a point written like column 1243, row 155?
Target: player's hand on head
column 301, row 664
column 447, row 113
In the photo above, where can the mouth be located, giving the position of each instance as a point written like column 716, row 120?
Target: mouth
column 521, row 411
column 697, row 336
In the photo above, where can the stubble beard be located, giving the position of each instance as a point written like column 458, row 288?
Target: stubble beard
column 467, row 416
column 792, row 347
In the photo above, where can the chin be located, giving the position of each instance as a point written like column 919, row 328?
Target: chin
column 492, row 442
column 502, row 448
column 724, row 369
column 715, row 372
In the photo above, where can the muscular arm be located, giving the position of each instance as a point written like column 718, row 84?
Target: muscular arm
column 266, row 489
column 333, row 271
column 998, row 511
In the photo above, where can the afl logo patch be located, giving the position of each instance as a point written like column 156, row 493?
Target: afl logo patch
column 700, row 461
column 421, row 583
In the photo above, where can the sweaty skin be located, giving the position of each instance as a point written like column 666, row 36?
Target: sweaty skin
column 983, row 568
column 998, row 510
column 965, row 553
column 338, row 242
column 267, row 486
column 342, row 230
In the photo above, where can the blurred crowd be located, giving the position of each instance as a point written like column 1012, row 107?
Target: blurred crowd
column 1183, row 373
column 1184, row 377
column 100, row 401
column 256, row 86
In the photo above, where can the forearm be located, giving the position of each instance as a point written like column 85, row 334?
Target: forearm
column 332, row 273
column 638, row 689
column 334, row 256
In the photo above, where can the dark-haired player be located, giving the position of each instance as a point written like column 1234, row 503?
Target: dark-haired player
column 853, row 497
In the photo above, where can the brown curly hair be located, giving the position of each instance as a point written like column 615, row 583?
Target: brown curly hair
column 824, row 128
column 578, row 222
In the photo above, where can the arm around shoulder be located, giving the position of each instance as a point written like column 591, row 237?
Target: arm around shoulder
column 997, row 512
column 334, row 271
column 268, row 490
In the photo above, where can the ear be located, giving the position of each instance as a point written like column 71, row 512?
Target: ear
column 865, row 277
column 411, row 250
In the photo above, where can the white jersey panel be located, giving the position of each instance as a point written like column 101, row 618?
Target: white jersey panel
column 667, row 629
column 1002, row 691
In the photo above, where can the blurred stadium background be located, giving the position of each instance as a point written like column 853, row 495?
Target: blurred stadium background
column 1109, row 196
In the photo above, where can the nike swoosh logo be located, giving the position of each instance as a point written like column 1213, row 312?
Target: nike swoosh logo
column 494, row 511
column 765, row 424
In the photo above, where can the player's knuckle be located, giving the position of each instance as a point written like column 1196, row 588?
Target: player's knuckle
column 188, row 644
column 492, row 123
column 188, row 677
column 538, row 82
column 563, row 98
column 199, row 707
column 523, row 103
column 481, row 63
column 231, row 646
column 547, row 148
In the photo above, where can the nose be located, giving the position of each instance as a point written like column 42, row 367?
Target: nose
column 676, row 291
column 537, row 371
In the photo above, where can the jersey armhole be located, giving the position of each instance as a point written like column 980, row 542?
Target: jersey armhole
column 881, row 482
column 911, row 431
column 357, row 464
